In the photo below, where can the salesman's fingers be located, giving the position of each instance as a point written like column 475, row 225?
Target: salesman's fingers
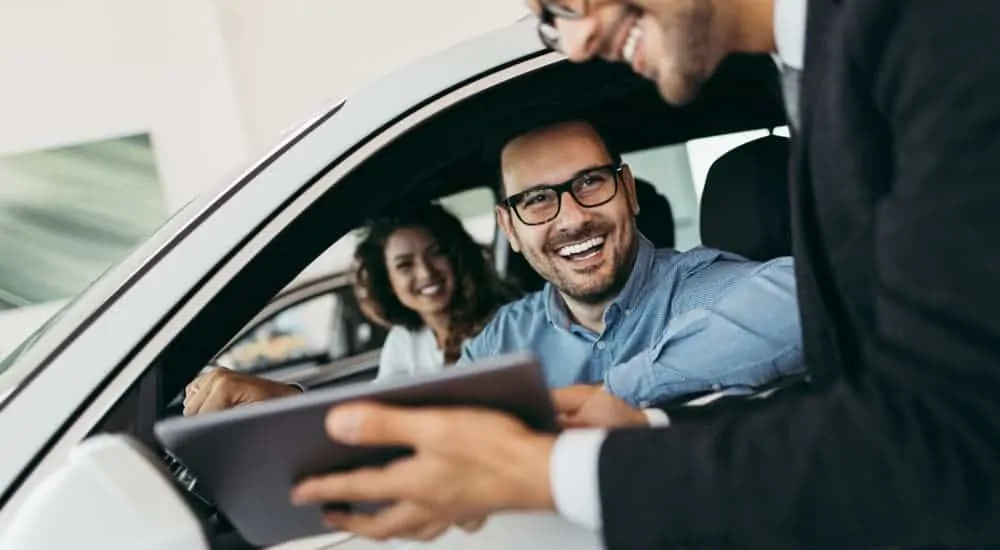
column 362, row 485
column 570, row 399
column 401, row 520
column 427, row 533
column 435, row 530
column 370, row 423
column 472, row 525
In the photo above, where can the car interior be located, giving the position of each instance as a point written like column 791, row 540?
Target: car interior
column 744, row 208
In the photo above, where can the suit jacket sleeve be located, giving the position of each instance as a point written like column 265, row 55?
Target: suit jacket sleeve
column 906, row 450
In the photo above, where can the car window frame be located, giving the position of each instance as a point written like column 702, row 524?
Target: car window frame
column 141, row 359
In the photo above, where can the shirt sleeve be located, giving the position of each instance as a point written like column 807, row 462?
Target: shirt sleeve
column 395, row 358
column 790, row 31
column 573, row 469
column 656, row 417
column 748, row 337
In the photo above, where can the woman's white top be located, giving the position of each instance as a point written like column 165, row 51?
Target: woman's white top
column 409, row 352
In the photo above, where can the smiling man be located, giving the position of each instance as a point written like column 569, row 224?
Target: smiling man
column 649, row 325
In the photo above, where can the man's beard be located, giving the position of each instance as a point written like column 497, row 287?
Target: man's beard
column 601, row 294
column 587, row 294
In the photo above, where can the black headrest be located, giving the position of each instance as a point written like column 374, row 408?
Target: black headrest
column 745, row 204
column 656, row 218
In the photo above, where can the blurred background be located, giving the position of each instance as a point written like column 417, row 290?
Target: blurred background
column 115, row 113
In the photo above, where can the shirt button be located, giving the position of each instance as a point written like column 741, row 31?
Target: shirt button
column 716, row 387
column 601, row 345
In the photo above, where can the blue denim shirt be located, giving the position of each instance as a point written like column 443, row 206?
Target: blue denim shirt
column 684, row 322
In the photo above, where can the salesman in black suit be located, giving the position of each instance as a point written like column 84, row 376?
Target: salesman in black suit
column 896, row 208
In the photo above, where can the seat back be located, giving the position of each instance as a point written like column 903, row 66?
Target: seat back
column 656, row 217
column 745, row 206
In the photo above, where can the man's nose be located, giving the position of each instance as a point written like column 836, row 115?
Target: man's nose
column 578, row 38
column 571, row 214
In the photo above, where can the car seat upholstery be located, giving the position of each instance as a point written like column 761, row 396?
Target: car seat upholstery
column 656, row 217
column 655, row 221
column 745, row 205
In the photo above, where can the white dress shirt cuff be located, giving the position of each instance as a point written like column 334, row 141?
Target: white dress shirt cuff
column 575, row 480
column 656, row 418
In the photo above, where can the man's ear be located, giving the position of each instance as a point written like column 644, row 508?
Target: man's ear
column 628, row 181
column 507, row 225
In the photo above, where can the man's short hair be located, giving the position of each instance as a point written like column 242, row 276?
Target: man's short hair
column 501, row 188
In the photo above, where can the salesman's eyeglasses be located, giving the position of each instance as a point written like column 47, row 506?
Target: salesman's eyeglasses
column 550, row 9
column 591, row 188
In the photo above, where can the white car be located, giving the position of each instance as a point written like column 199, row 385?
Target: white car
column 110, row 363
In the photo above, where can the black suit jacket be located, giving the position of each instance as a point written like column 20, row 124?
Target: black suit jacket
column 896, row 206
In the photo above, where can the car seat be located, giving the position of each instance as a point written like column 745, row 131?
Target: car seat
column 745, row 205
column 656, row 217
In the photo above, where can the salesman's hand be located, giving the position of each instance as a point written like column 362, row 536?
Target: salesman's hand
column 467, row 464
column 221, row 388
column 590, row 406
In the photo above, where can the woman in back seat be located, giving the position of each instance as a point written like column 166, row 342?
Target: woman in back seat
column 422, row 273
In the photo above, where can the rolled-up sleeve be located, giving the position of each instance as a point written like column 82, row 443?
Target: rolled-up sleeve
column 747, row 337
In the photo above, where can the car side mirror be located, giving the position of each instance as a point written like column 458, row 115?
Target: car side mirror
column 107, row 477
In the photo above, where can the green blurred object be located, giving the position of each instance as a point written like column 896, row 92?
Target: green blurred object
column 67, row 214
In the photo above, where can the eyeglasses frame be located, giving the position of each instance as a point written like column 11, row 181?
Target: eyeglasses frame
column 617, row 172
column 547, row 19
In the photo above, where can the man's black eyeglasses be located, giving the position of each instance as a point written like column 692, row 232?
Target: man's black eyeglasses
column 590, row 188
column 550, row 9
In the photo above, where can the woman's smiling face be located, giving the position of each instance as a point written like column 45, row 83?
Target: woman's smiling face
column 420, row 274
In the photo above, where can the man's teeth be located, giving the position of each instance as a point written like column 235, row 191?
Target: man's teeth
column 631, row 42
column 429, row 290
column 574, row 249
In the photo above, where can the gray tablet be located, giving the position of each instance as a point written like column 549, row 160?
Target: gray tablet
column 248, row 458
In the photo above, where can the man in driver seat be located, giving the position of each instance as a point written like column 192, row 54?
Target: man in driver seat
column 645, row 325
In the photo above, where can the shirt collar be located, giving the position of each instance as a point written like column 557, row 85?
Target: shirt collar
column 790, row 32
column 632, row 292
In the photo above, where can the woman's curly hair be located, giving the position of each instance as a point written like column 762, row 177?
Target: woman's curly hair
column 478, row 290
